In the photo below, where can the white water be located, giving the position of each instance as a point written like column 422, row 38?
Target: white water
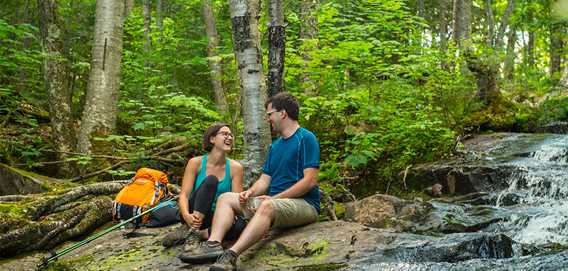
column 541, row 183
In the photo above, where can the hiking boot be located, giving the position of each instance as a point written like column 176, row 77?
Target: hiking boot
column 176, row 237
column 227, row 261
column 192, row 241
column 206, row 252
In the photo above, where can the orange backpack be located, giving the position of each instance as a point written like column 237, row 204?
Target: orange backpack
column 145, row 190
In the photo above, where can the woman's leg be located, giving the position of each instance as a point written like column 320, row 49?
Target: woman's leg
column 201, row 200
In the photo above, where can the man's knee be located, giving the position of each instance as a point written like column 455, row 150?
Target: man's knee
column 266, row 208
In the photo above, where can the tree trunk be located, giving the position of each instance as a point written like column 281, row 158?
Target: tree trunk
column 159, row 18
column 99, row 115
column 51, row 220
column 509, row 66
column 276, row 46
column 486, row 75
column 556, row 48
column 490, row 21
column 503, row 24
column 147, row 21
column 246, row 45
column 443, row 7
column 308, row 36
column 462, row 21
column 213, row 58
column 56, row 69
column 530, row 49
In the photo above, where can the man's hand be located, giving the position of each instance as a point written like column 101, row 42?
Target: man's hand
column 264, row 197
column 244, row 196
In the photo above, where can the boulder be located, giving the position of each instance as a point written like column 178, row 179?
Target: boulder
column 384, row 211
column 14, row 181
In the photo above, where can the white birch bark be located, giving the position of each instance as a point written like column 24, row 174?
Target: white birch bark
column 246, row 45
column 99, row 114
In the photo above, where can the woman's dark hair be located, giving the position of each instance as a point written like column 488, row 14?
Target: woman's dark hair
column 210, row 132
column 286, row 101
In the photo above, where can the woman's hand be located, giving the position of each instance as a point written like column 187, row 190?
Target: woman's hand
column 196, row 221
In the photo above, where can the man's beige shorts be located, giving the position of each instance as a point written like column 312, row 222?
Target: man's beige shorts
column 288, row 212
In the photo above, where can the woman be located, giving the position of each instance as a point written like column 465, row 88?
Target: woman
column 205, row 178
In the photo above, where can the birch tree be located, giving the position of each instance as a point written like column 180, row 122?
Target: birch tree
column 99, row 114
column 213, row 58
column 246, row 46
column 276, row 46
column 56, row 70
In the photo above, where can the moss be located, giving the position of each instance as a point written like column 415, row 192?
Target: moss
column 339, row 210
column 69, row 265
column 310, row 255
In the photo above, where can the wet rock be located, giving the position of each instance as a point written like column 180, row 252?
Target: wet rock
column 557, row 127
column 459, row 178
column 453, row 248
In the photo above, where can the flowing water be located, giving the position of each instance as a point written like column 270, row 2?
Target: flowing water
column 534, row 210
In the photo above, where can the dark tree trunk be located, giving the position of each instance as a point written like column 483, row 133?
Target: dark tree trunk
column 276, row 46
column 56, row 70
column 509, row 66
column 556, row 48
column 486, row 75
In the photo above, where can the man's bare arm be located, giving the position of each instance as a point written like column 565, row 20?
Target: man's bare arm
column 302, row 187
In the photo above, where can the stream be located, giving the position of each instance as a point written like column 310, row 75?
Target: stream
column 530, row 216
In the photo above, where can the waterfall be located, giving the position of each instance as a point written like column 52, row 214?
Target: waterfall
column 540, row 186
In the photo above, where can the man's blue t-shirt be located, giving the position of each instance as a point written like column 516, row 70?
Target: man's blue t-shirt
column 287, row 159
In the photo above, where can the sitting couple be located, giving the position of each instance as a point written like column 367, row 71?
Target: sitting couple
column 285, row 195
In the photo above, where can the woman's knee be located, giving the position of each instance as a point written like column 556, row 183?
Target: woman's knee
column 210, row 181
column 228, row 197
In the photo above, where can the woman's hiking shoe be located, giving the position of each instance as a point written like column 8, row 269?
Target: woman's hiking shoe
column 206, row 252
column 176, row 237
column 192, row 240
column 227, row 261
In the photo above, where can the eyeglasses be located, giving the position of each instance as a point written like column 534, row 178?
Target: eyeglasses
column 225, row 134
column 268, row 114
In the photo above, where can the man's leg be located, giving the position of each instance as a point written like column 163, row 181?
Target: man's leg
column 256, row 228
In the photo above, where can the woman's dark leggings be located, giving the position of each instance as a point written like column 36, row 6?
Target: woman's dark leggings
column 202, row 198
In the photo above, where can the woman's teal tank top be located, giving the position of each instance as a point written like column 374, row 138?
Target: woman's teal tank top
column 224, row 185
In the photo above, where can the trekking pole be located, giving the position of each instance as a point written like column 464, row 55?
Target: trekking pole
column 55, row 255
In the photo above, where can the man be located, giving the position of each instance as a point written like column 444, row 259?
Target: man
column 285, row 195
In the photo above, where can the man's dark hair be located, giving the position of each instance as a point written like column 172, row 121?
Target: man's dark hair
column 286, row 101
column 210, row 132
